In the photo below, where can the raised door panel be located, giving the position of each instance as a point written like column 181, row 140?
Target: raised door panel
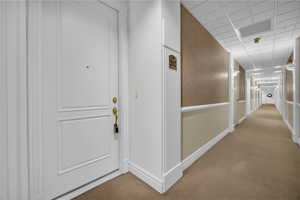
column 86, row 52
column 90, row 134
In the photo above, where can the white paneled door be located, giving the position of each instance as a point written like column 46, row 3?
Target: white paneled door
column 80, row 79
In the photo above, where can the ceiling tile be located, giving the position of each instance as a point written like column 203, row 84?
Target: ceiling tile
column 288, row 6
column 263, row 6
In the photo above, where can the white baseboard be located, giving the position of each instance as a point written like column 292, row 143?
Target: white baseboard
column 89, row 186
column 242, row 119
column 293, row 135
column 295, row 140
column 147, row 177
column 202, row 150
column 289, row 126
column 172, row 176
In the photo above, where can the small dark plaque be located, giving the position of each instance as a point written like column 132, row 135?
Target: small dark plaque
column 172, row 62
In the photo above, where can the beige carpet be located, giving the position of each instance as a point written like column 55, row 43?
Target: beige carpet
column 258, row 161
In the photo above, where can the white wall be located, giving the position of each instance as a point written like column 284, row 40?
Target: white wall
column 172, row 92
column 145, row 75
column 265, row 92
column 231, row 94
column 248, row 91
column 277, row 97
column 13, row 123
column 155, row 127
column 297, row 89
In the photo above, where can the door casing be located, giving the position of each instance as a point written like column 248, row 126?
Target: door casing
column 34, row 95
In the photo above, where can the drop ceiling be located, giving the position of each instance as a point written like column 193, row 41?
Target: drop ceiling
column 222, row 18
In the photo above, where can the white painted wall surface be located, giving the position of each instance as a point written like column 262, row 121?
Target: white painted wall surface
column 171, row 24
column 297, row 90
column 231, row 94
column 172, row 131
column 155, row 133
column 172, row 84
column 13, row 124
column 265, row 92
column 145, row 74
column 248, row 93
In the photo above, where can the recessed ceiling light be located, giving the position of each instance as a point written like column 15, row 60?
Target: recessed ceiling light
column 256, row 74
column 257, row 69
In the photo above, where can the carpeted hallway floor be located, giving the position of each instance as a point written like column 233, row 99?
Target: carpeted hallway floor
column 258, row 161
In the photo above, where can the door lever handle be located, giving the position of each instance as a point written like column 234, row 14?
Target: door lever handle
column 116, row 127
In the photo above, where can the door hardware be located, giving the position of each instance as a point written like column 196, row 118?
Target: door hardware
column 115, row 127
column 172, row 62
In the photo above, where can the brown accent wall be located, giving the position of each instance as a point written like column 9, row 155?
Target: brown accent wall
column 289, row 85
column 204, row 64
column 291, row 58
column 242, row 83
column 204, row 81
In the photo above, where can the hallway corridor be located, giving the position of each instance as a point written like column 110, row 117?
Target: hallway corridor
column 258, row 161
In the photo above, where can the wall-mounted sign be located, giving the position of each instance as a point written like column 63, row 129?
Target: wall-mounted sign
column 269, row 95
column 172, row 62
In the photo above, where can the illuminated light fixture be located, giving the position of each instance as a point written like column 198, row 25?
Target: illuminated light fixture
column 236, row 73
column 257, row 74
column 257, row 40
column 277, row 71
column 257, row 69
column 278, row 67
column 237, row 32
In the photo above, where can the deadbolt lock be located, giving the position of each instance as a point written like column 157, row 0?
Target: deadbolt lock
column 115, row 100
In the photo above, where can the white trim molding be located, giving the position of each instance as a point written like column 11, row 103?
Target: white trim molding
column 13, row 99
column 242, row 119
column 146, row 176
column 85, row 188
column 160, row 185
column 3, row 106
column 172, row 176
column 231, row 94
column 291, row 129
column 187, row 162
column 202, row 107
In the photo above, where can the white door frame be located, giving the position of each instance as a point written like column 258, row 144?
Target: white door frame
column 35, row 100
column 297, row 88
column 13, row 101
